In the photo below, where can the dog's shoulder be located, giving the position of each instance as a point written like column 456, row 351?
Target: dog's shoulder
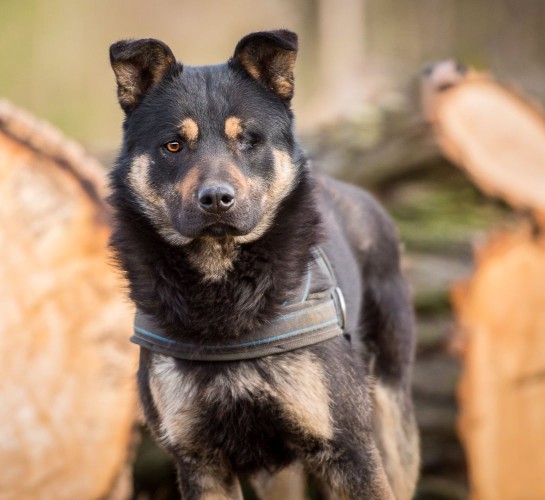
column 359, row 217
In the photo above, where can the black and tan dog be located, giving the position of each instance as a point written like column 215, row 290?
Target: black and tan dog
column 221, row 230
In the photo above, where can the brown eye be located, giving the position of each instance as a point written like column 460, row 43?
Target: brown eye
column 173, row 146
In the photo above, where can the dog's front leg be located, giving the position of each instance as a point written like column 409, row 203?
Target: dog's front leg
column 201, row 479
column 348, row 473
column 287, row 484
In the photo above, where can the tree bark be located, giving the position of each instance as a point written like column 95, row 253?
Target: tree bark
column 501, row 317
column 68, row 401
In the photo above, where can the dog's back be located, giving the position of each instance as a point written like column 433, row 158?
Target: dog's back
column 359, row 234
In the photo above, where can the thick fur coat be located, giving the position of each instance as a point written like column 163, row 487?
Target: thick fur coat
column 216, row 212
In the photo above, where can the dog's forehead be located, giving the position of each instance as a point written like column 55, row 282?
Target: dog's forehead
column 200, row 103
column 210, row 94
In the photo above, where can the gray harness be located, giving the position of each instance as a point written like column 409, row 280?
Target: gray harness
column 314, row 313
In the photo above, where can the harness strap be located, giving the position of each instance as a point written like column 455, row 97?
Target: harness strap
column 315, row 315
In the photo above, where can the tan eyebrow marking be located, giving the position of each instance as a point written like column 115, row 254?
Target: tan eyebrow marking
column 189, row 129
column 233, row 127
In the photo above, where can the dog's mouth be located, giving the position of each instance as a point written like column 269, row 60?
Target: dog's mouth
column 220, row 230
column 194, row 225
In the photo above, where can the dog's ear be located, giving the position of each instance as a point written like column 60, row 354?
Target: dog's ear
column 269, row 57
column 139, row 65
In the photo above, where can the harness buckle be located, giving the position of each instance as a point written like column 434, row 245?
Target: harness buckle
column 340, row 305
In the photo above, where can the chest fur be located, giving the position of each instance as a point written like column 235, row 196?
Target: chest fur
column 240, row 405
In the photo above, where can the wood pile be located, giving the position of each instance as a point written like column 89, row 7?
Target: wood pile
column 501, row 315
column 498, row 138
column 68, row 401
column 68, row 391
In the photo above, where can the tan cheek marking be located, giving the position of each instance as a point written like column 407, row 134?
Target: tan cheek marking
column 239, row 180
column 233, row 128
column 150, row 201
column 398, row 441
column 284, row 178
column 300, row 388
column 189, row 130
column 139, row 179
column 189, row 184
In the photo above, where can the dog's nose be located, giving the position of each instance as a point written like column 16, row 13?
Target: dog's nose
column 217, row 198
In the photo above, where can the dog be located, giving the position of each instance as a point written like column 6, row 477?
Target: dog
column 275, row 326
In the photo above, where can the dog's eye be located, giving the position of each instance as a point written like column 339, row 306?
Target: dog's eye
column 251, row 141
column 173, row 146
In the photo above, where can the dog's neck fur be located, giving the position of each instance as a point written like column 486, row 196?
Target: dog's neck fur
column 164, row 283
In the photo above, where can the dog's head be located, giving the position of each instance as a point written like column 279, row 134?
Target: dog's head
column 208, row 151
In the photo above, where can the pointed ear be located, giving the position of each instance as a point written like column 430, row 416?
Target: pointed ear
column 269, row 57
column 139, row 65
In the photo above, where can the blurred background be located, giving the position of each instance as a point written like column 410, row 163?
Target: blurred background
column 359, row 115
column 55, row 53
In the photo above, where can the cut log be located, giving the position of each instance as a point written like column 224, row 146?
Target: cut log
column 501, row 318
column 68, row 401
column 491, row 132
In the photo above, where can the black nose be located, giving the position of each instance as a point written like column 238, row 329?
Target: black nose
column 217, row 198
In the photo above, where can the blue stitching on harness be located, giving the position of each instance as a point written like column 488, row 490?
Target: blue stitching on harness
column 287, row 316
column 154, row 335
column 246, row 344
column 284, row 335
column 153, row 340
